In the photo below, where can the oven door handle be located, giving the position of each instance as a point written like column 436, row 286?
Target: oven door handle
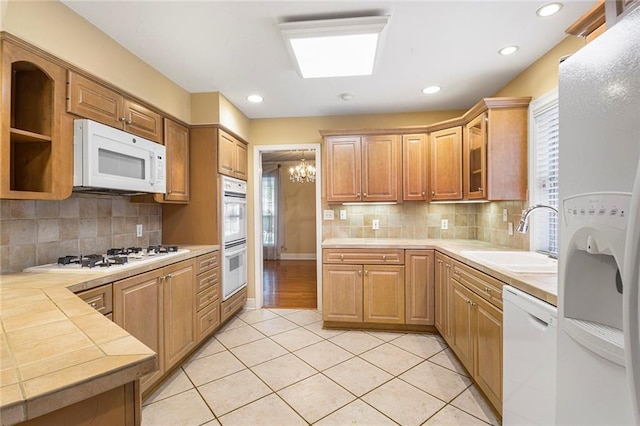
column 234, row 252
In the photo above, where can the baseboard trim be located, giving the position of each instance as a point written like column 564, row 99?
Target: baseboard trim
column 298, row 256
column 250, row 303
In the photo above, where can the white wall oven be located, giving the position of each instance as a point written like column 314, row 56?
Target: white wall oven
column 234, row 236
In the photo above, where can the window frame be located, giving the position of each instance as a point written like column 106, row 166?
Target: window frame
column 537, row 106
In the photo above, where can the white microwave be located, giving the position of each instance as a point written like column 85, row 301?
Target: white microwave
column 108, row 160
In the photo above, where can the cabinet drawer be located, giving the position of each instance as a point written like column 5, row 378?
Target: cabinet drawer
column 206, row 262
column 233, row 304
column 100, row 298
column 207, row 296
column 485, row 286
column 207, row 279
column 207, row 321
column 364, row 256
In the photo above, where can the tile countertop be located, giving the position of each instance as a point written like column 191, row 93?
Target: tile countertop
column 542, row 286
column 56, row 350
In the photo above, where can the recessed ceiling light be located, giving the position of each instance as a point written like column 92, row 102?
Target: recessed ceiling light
column 431, row 90
column 346, row 96
column 256, row 99
column 508, row 50
column 549, row 9
column 334, row 47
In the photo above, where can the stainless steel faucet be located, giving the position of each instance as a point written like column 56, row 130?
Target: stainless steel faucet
column 523, row 226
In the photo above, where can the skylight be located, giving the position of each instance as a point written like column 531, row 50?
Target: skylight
column 334, row 47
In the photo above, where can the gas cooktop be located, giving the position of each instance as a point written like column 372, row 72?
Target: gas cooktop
column 115, row 259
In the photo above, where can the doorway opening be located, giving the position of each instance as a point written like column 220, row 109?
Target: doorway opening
column 289, row 228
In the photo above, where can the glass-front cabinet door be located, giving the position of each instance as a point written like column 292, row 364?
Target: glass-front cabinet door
column 475, row 161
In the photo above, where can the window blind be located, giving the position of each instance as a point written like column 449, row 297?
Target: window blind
column 545, row 222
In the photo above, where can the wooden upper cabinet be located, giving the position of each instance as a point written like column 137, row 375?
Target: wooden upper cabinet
column 89, row 99
column 177, row 145
column 36, row 157
column 344, row 168
column 445, row 164
column 232, row 156
column 363, row 168
column 475, row 158
column 241, row 161
column 414, row 167
column 591, row 24
column 506, row 160
column 380, row 167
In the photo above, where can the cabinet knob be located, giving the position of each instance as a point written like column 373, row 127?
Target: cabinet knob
column 93, row 304
column 366, row 272
column 433, row 192
column 358, row 194
column 439, row 261
column 365, row 194
column 359, row 273
column 129, row 121
column 384, row 257
column 169, row 276
column 423, row 193
column 123, row 119
column 480, row 189
column 342, row 257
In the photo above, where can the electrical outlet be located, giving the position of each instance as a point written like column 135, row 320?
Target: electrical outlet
column 375, row 224
column 139, row 230
column 343, row 214
column 444, row 224
column 510, row 228
column 505, row 215
column 327, row 214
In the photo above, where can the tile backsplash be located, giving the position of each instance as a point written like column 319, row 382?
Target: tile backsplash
column 481, row 221
column 407, row 220
column 38, row 232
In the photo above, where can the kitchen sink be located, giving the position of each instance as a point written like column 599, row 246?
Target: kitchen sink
column 523, row 262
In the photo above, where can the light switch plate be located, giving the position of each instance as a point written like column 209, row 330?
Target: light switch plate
column 139, row 230
column 444, row 224
column 505, row 215
column 343, row 214
column 375, row 224
column 510, row 228
column 327, row 214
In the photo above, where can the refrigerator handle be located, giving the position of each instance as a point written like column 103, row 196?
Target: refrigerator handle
column 631, row 298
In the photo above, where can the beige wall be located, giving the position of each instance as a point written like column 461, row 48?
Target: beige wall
column 55, row 28
column 299, row 215
column 542, row 75
column 214, row 108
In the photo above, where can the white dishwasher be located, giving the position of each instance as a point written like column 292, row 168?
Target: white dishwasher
column 529, row 366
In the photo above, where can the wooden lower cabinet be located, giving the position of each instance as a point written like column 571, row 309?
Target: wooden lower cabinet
column 476, row 330
column 138, row 308
column 342, row 293
column 419, row 287
column 118, row 406
column 442, row 293
column 232, row 305
column 383, row 294
column 462, row 327
column 179, row 311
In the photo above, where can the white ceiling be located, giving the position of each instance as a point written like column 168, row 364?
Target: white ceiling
column 234, row 47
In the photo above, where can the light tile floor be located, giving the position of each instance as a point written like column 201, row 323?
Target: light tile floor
column 279, row 367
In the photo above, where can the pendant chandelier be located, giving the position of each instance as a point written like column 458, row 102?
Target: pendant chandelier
column 302, row 172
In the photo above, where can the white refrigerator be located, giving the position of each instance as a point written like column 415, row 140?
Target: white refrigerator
column 598, row 359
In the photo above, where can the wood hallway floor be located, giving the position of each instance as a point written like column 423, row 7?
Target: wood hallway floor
column 289, row 284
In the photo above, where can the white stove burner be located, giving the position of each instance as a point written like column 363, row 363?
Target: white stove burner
column 138, row 259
